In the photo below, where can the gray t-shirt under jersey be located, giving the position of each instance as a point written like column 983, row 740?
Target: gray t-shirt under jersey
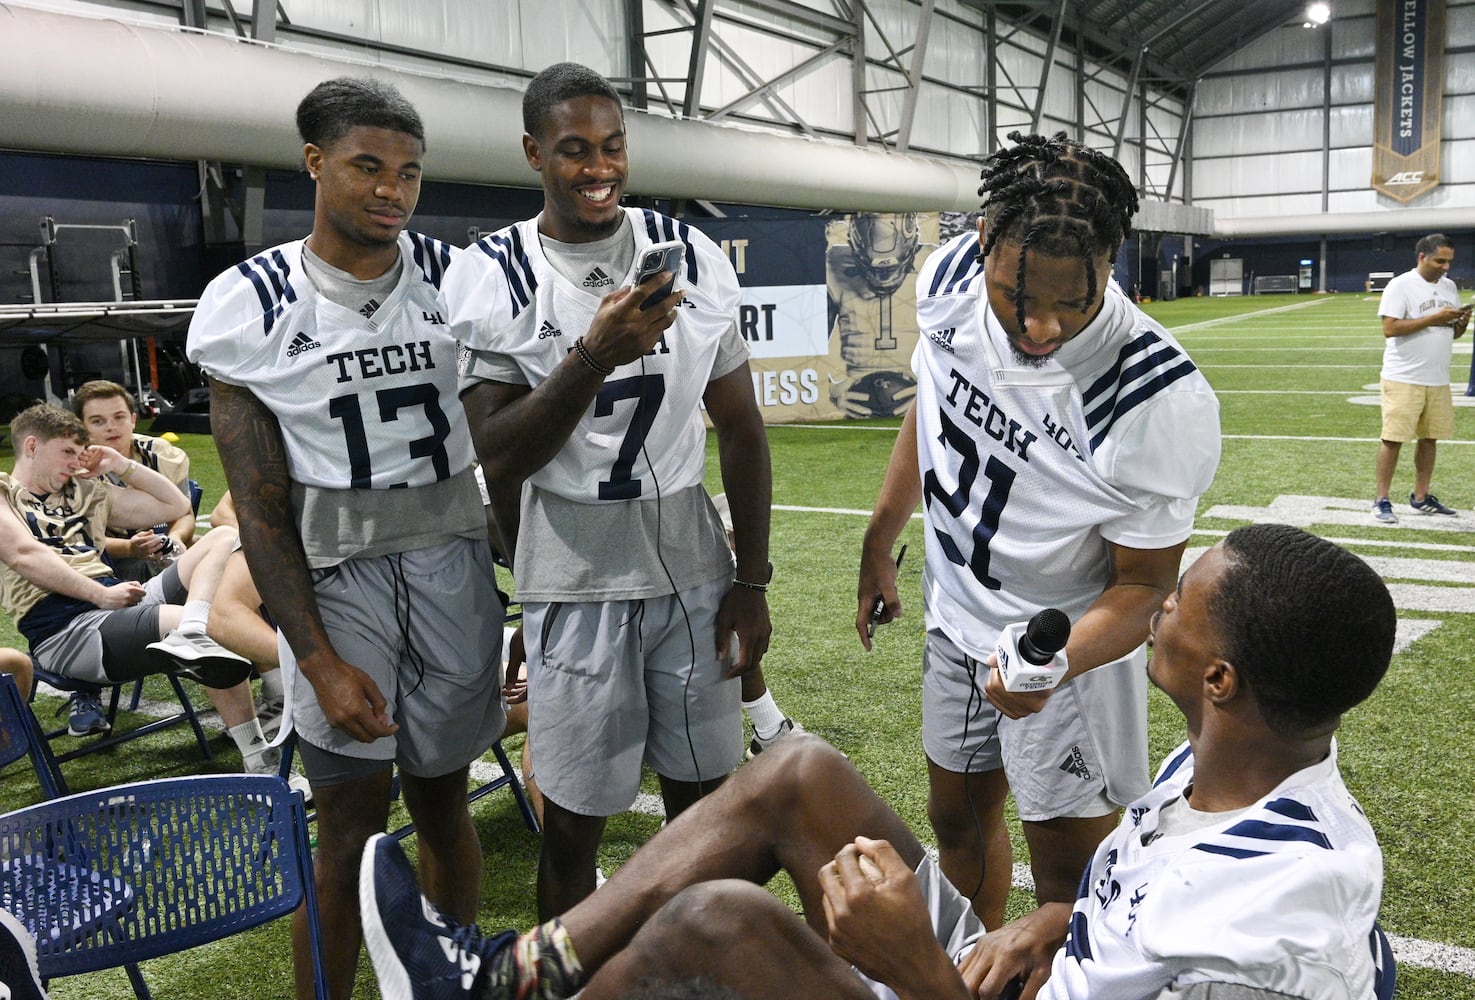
column 347, row 524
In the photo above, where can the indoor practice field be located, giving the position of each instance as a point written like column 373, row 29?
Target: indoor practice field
column 1297, row 382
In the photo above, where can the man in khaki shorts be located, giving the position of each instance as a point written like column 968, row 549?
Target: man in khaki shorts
column 1421, row 320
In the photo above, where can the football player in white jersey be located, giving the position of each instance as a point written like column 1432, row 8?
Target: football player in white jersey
column 586, row 412
column 1248, row 870
column 1059, row 443
column 333, row 404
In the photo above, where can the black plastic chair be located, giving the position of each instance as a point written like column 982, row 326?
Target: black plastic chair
column 120, row 875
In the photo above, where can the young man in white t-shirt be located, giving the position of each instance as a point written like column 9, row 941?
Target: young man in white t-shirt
column 1422, row 318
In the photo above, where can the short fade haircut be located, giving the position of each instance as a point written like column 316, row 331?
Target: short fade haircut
column 100, row 388
column 1432, row 242
column 1308, row 625
column 46, row 422
column 334, row 107
column 558, row 83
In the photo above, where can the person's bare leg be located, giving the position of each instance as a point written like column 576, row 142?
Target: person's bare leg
column 18, row 665
column 203, row 564
column 450, row 852
column 567, row 860
column 1060, row 849
column 1387, row 462
column 967, row 815
column 1423, row 466
column 679, row 796
column 348, row 814
column 235, row 704
column 791, row 808
column 733, row 934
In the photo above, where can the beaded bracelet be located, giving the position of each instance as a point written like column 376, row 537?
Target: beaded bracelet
column 588, row 358
column 762, row 588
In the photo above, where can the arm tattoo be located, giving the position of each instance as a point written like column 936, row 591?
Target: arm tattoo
column 255, row 459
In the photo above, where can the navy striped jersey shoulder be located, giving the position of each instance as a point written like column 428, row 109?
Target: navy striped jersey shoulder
column 431, row 256
column 664, row 229
column 1145, row 366
column 270, row 275
column 508, row 248
column 1277, row 826
column 954, row 269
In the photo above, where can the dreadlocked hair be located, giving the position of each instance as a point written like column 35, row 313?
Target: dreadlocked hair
column 1058, row 197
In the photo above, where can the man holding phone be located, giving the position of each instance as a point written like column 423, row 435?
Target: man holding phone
column 1422, row 318
column 583, row 385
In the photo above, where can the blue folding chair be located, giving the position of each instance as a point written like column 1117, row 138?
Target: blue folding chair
column 120, row 875
column 20, row 735
column 186, row 714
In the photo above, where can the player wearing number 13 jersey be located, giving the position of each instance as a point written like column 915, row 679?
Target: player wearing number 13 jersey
column 1058, row 445
column 585, row 411
column 333, row 404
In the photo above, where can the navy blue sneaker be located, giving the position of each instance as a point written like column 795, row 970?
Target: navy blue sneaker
column 85, row 716
column 418, row 952
column 1429, row 505
column 19, row 979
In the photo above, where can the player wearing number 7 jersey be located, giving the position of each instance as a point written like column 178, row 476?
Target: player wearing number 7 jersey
column 333, row 404
column 1058, row 445
column 585, row 409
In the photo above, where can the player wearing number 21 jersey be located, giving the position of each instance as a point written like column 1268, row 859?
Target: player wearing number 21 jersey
column 1028, row 470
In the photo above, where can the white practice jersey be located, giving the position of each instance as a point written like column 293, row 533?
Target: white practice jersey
column 1281, row 896
column 518, row 318
column 363, row 403
column 1028, row 472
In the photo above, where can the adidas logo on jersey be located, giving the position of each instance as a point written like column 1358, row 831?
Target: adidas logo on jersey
column 1075, row 764
column 598, row 279
column 548, row 330
column 300, row 343
column 943, row 338
column 370, row 308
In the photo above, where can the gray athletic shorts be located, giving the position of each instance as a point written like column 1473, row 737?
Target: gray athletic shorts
column 426, row 626
column 957, row 927
column 1084, row 754
column 611, row 685
column 96, row 640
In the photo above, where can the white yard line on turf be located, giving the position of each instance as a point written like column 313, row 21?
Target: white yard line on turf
column 1205, row 324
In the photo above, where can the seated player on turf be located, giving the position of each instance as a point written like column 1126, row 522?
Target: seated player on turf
column 1248, row 866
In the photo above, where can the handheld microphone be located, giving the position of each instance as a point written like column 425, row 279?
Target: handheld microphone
column 1031, row 655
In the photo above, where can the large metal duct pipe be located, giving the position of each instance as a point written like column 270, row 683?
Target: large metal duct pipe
column 94, row 86
column 1409, row 220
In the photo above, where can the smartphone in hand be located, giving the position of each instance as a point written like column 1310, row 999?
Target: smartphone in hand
column 654, row 259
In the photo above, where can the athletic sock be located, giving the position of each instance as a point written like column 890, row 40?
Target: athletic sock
column 196, row 614
column 766, row 715
column 250, row 741
column 271, row 685
column 541, row 965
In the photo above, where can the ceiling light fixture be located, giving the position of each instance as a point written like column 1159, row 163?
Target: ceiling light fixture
column 1317, row 14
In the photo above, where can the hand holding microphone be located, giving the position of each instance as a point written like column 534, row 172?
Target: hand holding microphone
column 1031, row 655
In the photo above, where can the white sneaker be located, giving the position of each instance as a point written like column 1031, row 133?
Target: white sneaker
column 269, row 761
column 191, row 647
